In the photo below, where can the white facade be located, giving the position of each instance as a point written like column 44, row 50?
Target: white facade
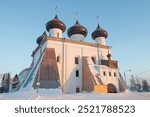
column 67, row 50
column 77, row 37
column 65, row 63
column 112, row 76
column 55, row 32
column 74, row 54
column 100, row 40
column 72, row 50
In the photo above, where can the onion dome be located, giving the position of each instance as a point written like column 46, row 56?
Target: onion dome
column 40, row 38
column 109, row 56
column 99, row 32
column 77, row 29
column 55, row 23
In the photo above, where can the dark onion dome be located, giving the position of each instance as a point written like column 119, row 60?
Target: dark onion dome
column 99, row 32
column 109, row 56
column 55, row 23
column 40, row 38
column 77, row 29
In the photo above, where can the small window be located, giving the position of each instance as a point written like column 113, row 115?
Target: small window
column 104, row 73
column 109, row 73
column 76, row 60
column 115, row 74
column 57, row 34
column 77, row 73
column 77, row 90
column 93, row 59
column 58, row 58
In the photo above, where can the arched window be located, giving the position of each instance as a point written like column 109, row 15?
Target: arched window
column 104, row 73
column 58, row 58
column 109, row 73
column 115, row 74
column 76, row 60
column 77, row 73
column 93, row 59
column 58, row 34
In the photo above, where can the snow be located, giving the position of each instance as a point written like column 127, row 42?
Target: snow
column 56, row 94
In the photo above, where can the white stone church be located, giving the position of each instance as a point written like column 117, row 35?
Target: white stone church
column 72, row 64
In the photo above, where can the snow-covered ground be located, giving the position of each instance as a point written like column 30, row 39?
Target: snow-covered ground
column 47, row 94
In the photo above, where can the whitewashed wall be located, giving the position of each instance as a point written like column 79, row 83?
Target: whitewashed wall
column 109, row 79
column 72, row 50
column 55, row 32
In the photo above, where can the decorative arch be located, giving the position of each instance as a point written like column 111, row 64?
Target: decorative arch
column 111, row 88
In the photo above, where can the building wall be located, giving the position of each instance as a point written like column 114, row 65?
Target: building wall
column 72, row 50
column 106, row 79
column 55, row 32
column 101, row 40
column 70, row 81
column 78, row 37
column 58, row 51
column 87, row 80
column 47, row 74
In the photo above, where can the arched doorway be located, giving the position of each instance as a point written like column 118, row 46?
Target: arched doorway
column 111, row 88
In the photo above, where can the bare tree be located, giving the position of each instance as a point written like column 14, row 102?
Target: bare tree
column 5, row 83
column 132, row 83
column 145, row 85
column 138, row 85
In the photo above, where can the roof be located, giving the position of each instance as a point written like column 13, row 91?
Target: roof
column 55, row 23
column 99, row 32
column 43, row 36
column 77, row 29
column 69, row 41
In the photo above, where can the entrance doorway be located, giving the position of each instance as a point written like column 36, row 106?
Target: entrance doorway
column 77, row 90
column 111, row 88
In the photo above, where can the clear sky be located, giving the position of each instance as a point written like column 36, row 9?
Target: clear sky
column 127, row 22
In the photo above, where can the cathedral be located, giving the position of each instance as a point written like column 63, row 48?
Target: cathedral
column 72, row 64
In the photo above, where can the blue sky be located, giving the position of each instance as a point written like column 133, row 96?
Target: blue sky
column 127, row 22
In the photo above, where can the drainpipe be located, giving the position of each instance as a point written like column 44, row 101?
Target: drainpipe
column 62, row 69
column 99, row 61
